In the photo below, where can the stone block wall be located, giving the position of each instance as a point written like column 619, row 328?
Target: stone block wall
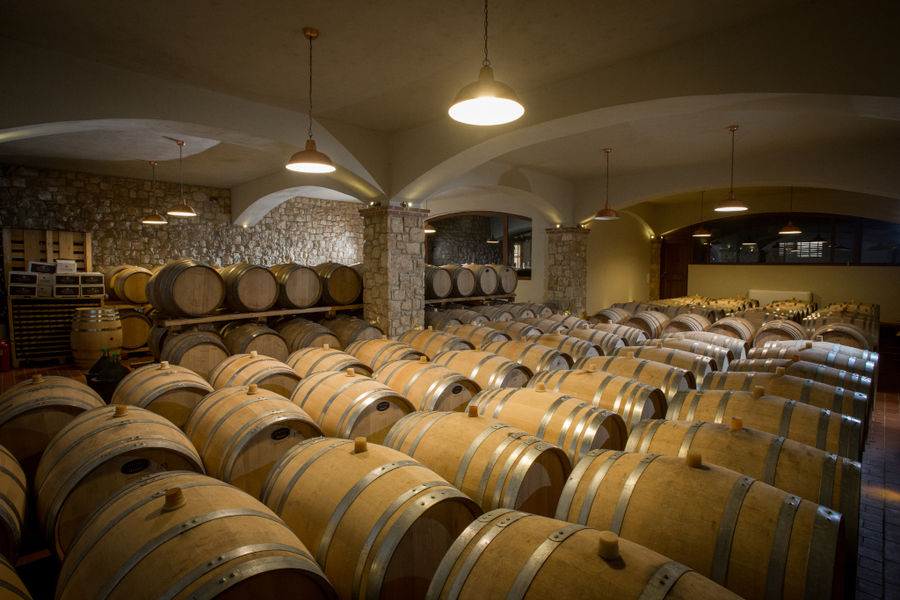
column 566, row 269
column 463, row 240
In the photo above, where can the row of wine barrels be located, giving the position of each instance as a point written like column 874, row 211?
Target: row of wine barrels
column 428, row 386
column 809, row 370
column 487, row 369
column 830, row 358
column 306, row 361
column 376, row 353
column 697, row 364
column 93, row 330
column 737, row 347
column 669, row 379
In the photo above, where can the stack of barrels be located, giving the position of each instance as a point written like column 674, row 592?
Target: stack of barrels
column 462, row 281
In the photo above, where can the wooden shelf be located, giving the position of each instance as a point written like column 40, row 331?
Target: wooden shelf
column 470, row 299
column 41, row 328
column 176, row 321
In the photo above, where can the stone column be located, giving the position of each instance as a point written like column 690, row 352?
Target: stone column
column 566, row 269
column 394, row 267
column 655, row 267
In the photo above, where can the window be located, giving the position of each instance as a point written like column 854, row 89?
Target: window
column 482, row 238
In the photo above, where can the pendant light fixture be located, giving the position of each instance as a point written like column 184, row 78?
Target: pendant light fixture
column 486, row 101
column 731, row 205
column 182, row 209
column 790, row 228
column 310, row 160
column 701, row 232
column 154, row 218
column 492, row 240
column 606, row 213
column 429, row 228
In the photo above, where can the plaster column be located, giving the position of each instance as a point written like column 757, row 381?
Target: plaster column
column 566, row 269
column 655, row 266
column 394, row 268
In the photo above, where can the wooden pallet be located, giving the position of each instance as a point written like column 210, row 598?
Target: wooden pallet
column 45, row 245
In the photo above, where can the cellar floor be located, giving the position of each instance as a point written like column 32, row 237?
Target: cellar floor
column 878, row 574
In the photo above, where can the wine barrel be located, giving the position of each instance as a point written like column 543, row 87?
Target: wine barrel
column 306, row 361
column 779, row 329
column 156, row 339
column 242, row 431
column 520, row 311
column 486, row 280
column 303, row 333
column 438, row 282
column 379, row 522
column 467, row 317
column 351, row 329
column 509, row 554
column 719, row 355
column 243, row 338
column 186, row 288
column 135, row 328
column 815, row 427
column 477, row 335
column 249, row 288
column 630, row 398
column 574, row 347
column 168, row 390
column 541, row 311
column 199, row 351
column 632, row 336
column 494, row 464
column 431, row 343
column 93, row 330
column 735, row 327
column 603, row 341
column 244, row 369
column 546, row 325
column 514, row 329
column 10, row 583
column 650, row 322
column 822, row 356
column 96, row 454
column 737, row 346
column 33, row 411
column 128, row 283
column 808, row 370
column 12, row 505
column 376, row 353
column 494, row 312
column 438, row 319
column 570, row 321
column 180, row 535
column 487, row 369
column 570, row 423
column 426, row 385
column 340, row 284
column 612, row 315
column 756, row 540
column 463, row 280
column 348, row 405
column 696, row 364
column 686, row 322
column 845, row 334
column 667, row 378
column 534, row 356
column 298, row 285
column 507, row 279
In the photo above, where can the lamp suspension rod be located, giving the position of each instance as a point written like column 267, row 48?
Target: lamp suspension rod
column 486, row 62
column 607, row 151
column 701, row 208
column 733, row 128
column 181, row 167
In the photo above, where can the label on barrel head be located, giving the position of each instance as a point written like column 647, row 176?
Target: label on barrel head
column 280, row 433
column 382, row 406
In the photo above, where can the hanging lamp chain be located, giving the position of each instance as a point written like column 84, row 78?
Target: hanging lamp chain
column 701, row 208
column 607, row 151
column 181, row 167
column 486, row 62
column 733, row 129
column 309, row 129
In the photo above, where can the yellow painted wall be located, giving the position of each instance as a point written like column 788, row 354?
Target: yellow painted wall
column 875, row 285
column 618, row 262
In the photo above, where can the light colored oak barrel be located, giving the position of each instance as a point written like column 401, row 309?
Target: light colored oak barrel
column 779, row 329
column 135, row 328
column 486, row 279
column 93, row 330
column 306, row 361
column 108, row 274
column 738, row 347
column 612, row 315
column 570, row 321
column 487, row 369
column 630, row 335
column 829, row 358
column 521, row 311
column 243, row 338
column 650, row 322
column 303, row 333
column 629, row 398
column 565, row 421
column 186, row 535
column 574, row 347
column 438, row 319
column 515, row 329
column 298, row 285
column 128, row 283
column 463, row 280
column 13, row 495
column 756, row 540
column 244, row 369
column 33, row 411
column 719, row 355
column 667, row 378
column 735, row 327
column 494, row 312
column 467, row 317
column 803, row 390
column 378, row 522
column 340, row 284
column 347, row 405
column 97, row 453
column 534, row 356
column 477, row 335
column 186, row 288
column 249, row 288
column 507, row 279
column 697, row 364
column 427, row 385
column 796, row 468
column 199, row 351
column 438, row 282
column 11, row 585
column 808, row 370
column 168, row 390
column 351, row 329
column 815, row 427
column 509, row 554
column 546, row 325
column 541, row 311
column 845, row 334
column 605, row 342
column 686, row 322
column 493, row 463
column 156, row 339
column 240, row 432
column 431, row 343
column 377, row 353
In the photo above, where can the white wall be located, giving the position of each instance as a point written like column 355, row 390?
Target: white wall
column 618, row 262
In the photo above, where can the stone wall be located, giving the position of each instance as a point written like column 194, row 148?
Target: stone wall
column 566, row 269
column 463, row 239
